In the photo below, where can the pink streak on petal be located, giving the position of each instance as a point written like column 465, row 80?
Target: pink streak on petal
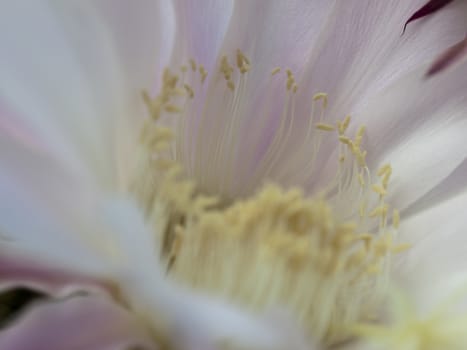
column 429, row 8
column 449, row 57
column 18, row 270
column 80, row 323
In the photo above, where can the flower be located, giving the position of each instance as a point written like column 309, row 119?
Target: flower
column 239, row 206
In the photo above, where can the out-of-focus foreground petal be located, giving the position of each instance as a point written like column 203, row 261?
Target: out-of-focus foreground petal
column 73, row 95
column 142, row 33
column 20, row 270
column 88, row 322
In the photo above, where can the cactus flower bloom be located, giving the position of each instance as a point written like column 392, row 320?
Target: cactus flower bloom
column 232, row 174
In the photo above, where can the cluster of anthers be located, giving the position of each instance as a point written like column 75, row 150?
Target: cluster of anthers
column 323, row 257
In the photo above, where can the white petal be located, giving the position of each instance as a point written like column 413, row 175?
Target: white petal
column 201, row 27
column 59, row 216
column 143, row 33
column 436, row 266
column 77, row 323
column 419, row 127
column 363, row 50
column 60, row 76
column 451, row 186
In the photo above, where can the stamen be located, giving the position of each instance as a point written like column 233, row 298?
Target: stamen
column 275, row 70
column 193, row 65
column 332, row 244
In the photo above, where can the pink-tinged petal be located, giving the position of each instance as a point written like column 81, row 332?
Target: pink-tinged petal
column 72, row 94
column 419, row 127
column 270, row 34
column 143, row 34
column 20, row 270
column 201, row 28
column 435, row 267
column 429, row 8
column 47, row 211
column 91, row 323
column 452, row 55
column 360, row 54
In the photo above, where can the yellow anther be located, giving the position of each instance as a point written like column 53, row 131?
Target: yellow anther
column 173, row 109
column 379, row 211
column 226, row 68
column 395, row 218
column 325, row 127
column 386, row 178
column 291, row 81
column 358, row 257
column 379, row 189
column 384, row 169
column 345, row 140
column 184, row 68
column 373, row 269
column 345, row 123
column 231, row 85
column 364, row 237
column 359, row 136
column 321, row 96
column 243, row 64
column 275, row 70
column 193, row 64
column 189, row 90
column 400, row 248
column 178, row 91
column 153, row 107
column 203, row 73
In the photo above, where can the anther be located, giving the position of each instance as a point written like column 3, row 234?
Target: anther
column 379, row 190
column 203, row 73
column 275, row 70
column 193, row 64
column 189, row 90
column 323, row 96
column 325, row 127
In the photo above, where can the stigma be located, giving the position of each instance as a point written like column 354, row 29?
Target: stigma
column 322, row 254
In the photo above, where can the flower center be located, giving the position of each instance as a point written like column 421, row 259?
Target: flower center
column 323, row 257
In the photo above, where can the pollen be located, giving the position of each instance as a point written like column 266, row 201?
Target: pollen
column 322, row 255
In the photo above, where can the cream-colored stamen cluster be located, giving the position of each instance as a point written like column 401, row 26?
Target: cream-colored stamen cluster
column 322, row 257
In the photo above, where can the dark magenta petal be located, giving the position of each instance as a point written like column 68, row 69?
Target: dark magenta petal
column 452, row 55
column 427, row 9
